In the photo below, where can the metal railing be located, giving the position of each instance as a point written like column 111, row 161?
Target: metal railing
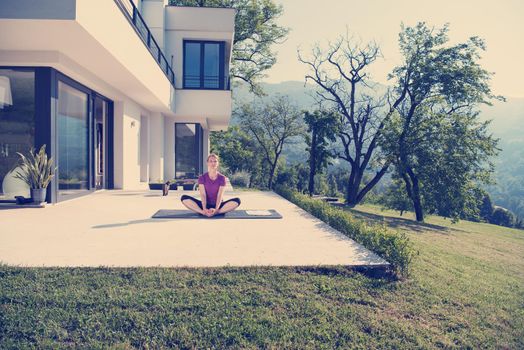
column 210, row 82
column 135, row 18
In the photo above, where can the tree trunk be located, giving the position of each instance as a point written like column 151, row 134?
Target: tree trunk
column 271, row 175
column 417, row 205
column 312, row 164
column 352, row 191
column 413, row 190
column 311, row 185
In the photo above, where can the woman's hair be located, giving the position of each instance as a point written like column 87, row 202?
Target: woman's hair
column 212, row 155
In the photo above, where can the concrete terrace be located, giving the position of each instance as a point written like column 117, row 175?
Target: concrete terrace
column 114, row 228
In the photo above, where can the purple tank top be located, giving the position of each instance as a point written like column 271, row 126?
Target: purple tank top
column 212, row 187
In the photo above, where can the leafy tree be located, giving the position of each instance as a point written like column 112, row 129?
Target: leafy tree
column 321, row 184
column 302, row 172
column 437, row 143
column 332, row 186
column 485, row 207
column 256, row 30
column 396, row 197
column 293, row 176
column 237, row 151
column 272, row 124
column 340, row 72
column 322, row 128
column 341, row 178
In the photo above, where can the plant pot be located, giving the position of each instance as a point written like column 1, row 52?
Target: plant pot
column 156, row 186
column 38, row 195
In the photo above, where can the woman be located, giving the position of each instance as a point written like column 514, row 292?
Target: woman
column 211, row 186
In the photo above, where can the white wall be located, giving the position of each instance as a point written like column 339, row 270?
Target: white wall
column 156, row 147
column 211, row 108
column 153, row 13
column 204, row 19
column 169, row 148
column 108, row 26
column 127, row 117
column 144, row 148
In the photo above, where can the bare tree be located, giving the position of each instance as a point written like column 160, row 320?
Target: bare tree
column 273, row 124
column 340, row 72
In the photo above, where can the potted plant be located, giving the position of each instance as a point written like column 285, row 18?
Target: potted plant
column 37, row 170
column 160, row 185
column 156, row 185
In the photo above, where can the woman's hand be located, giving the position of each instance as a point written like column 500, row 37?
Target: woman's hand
column 209, row 212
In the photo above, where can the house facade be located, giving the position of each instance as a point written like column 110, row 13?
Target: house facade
column 121, row 92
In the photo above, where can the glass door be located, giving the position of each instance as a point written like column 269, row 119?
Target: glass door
column 73, row 141
column 188, row 150
column 100, row 117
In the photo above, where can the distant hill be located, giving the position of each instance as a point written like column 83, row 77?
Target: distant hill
column 507, row 125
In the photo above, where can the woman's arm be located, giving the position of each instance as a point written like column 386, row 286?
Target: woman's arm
column 203, row 196
column 220, row 195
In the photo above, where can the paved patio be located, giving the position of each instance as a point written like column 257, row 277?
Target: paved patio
column 114, row 228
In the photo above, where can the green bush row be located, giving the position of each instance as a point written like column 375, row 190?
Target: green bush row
column 393, row 246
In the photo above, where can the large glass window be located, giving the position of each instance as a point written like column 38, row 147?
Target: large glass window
column 188, row 150
column 204, row 65
column 72, row 132
column 17, row 125
column 192, row 65
column 211, row 65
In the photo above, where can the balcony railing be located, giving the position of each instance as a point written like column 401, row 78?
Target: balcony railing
column 135, row 18
column 206, row 82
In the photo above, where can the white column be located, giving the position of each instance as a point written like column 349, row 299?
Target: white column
column 169, row 148
column 131, row 145
column 156, row 147
column 144, row 149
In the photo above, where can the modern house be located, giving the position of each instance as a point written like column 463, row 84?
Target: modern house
column 122, row 92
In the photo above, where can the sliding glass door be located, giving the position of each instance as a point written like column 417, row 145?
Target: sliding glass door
column 17, row 127
column 72, row 122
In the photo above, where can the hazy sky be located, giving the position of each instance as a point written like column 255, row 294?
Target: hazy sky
column 500, row 23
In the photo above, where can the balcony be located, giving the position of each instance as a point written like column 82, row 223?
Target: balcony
column 206, row 82
column 98, row 46
column 135, row 19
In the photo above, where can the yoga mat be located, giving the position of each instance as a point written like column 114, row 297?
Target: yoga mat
column 235, row 214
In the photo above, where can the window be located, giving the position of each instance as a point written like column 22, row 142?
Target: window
column 188, row 150
column 204, row 65
column 17, row 124
column 72, row 131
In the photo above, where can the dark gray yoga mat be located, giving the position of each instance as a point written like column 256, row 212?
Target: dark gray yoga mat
column 236, row 214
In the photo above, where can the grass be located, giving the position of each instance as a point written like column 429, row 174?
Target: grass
column 466, row 290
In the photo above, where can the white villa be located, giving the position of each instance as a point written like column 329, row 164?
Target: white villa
column 122, row 92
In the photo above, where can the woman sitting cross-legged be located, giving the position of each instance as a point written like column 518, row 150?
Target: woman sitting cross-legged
column 211, row 186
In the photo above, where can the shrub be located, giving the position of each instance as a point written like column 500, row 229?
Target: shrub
column 393, row 246
column 502, row 217
column 240, row 179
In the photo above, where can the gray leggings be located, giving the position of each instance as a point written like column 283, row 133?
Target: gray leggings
column 208, row 206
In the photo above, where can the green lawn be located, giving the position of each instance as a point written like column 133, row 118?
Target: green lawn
column 466, row 291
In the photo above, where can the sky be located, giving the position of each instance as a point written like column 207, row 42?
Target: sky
column 500, row 23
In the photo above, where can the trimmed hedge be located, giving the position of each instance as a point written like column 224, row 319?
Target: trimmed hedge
column 393, row 246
